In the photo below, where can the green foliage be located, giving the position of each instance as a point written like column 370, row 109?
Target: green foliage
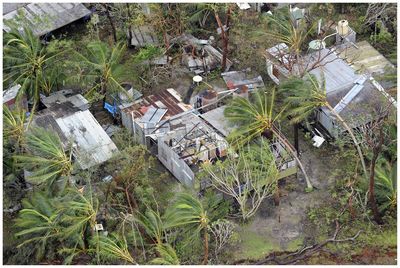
column 254, row 116
column 14, row 128
column 38, row 222
column 28, row 63
column 46, row 159
column 167, row 255
column 99, row 69
column 147, row 53
column 113, row 247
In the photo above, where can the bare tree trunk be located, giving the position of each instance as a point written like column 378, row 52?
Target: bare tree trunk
column 205, row 260
column 352, row 136
column 129, row 24
column 225, row 39
column 294, row 154
column 114, row 31
column 371, row 188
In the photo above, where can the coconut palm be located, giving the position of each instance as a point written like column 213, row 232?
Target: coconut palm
column 25, row 62
column 188, row 212
column 255, row 117
column 46, row 158
column 305, row 96
column 101, row 68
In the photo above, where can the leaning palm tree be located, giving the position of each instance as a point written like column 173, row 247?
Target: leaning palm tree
column 153, row 225
column 113, row 247
column 46, row 158
column 101, row 68
column 255, row 117
column 167, row 255
column 25, row 60
column 38, row 222
column 188, row 212
column 305, row 96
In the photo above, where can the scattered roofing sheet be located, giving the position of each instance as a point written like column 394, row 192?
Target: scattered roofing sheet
column 167, row 99
column 10, row 93
column 143, row 36
column 61, row 96
column 365, row 58
column 45, row 17
column 237, row 79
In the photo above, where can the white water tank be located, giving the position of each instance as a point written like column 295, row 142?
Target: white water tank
column 343, row 28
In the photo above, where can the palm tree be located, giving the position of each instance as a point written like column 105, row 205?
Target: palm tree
column 25, row 61
column 153, row 225
column 101, row 68
column 256, row 117
column 305, row 96
column 188, row 212
column 14, row 126
column 38, row 221
column 115, row 248
column 167, row 255
column 46, row 158
column 386, row 184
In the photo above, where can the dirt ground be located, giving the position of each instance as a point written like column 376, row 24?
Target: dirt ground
column 281, row 228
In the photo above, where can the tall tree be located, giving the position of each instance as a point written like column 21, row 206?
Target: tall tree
column 26, row 62
column 249, row 178
column 305, row 96
column 256, row 117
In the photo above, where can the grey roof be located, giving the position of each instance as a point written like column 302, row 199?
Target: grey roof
column 8, row 7
column 143, row 36
column 338, row 74
column 92, row 145
column 217, row 119
column 46, row 17
column 61, row 96
column 10, row 93
column 241, row 78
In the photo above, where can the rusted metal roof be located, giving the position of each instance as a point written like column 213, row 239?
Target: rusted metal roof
column 166, row 99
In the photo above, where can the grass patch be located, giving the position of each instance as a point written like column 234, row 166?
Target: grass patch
column 253, row 246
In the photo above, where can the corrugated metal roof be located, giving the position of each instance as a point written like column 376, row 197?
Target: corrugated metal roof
column 93, row 145
column 365, row 58
column 217, row 119
column 46, row 17
column 338, row 74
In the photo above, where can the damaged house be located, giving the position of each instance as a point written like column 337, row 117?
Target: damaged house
column 356, row 96
column 199, row 55
column 68, row 116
